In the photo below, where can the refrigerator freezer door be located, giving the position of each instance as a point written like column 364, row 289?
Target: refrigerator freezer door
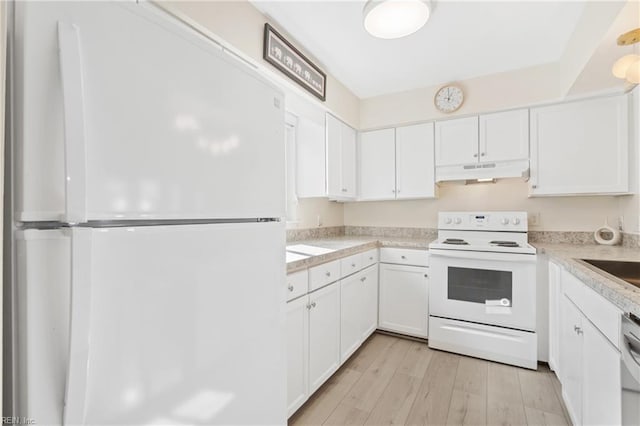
column 167, row 124
column 186, row 326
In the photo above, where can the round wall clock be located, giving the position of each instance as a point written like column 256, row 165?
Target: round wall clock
column 449, row 98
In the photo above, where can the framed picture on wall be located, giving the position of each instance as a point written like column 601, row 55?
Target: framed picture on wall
column 291, row 62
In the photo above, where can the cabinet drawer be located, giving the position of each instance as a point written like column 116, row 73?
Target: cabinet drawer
column 297, row 284
column 602, row 313
column 573, row 288
column 350, row 265
column 369, row 258
column 404, row 256
column 321, row 275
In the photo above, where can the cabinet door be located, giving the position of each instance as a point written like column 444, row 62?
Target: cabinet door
column 601, row 379
column 348, row 166
column 456, row 141
column 580, row 148
column 415, row 166
column 555, row 292
column 571, row 359
column 403, row 299
column 297, row 353
column 334, row 156
column 377, row 155
column 369, row 301
column 310, row 158
column 504, row 136
column 351, row 314
column 324, row 335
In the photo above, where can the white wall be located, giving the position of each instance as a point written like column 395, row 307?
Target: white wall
column 555, row 213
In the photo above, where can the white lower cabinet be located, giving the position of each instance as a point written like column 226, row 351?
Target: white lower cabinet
column 370, row 301
column 555, row 297
column 297, row 353
column 589, row 360
column 404, row 300
column 601, row 396
column 351, row 309
column 358, row 310
column 324, row 334
column 571, row 359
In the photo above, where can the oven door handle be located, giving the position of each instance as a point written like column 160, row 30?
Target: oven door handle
column 482, row 255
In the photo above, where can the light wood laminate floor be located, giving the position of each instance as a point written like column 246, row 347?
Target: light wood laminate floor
column 396, row 381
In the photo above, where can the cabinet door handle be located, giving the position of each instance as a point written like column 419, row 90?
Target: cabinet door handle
column 403, row 257
column 344, row 189
column 483, row 154
column 308, row 306
column 475, row 155
column 313, row 305
column 534, row 186
column 426, row 275
column 328, row 273
column 363, row 279
column 290, row 288
column 353, row 265
column 577, row 329
column 370, row 257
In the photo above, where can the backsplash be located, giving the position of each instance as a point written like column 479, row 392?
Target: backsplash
column 430, row 234
column 314, row 233
column 394, row 232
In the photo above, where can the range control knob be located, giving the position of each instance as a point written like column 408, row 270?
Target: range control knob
column 458, row 221
column 447, row 220
column 515, row 221
column 504, row 221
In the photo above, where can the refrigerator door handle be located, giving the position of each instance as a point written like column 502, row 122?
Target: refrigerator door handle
column 79, row 333
column 71, row 73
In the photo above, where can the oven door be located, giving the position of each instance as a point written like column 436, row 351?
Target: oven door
column 484, row 287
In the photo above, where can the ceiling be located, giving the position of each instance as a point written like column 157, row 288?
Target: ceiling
column 461, row 40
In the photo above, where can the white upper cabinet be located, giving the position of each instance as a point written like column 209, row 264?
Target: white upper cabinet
column 397, row 163
column 310, row 153
column 580, row 148
column 504, row 136
column 415, row 161
column 377, row 152
column 341, row 159
column 456, row 141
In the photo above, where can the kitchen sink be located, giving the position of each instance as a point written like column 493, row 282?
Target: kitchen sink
column 627, row 271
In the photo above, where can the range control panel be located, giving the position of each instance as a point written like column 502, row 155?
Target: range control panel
column 483, row 221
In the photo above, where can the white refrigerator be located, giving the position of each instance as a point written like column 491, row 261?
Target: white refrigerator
column 148, row 250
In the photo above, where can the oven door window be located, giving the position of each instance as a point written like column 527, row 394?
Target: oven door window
column 483, row 286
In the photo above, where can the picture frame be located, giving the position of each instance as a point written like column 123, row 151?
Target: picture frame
column 291, row 62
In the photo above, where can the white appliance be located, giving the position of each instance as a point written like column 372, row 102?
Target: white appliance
column 148, row 179
column 482, row 293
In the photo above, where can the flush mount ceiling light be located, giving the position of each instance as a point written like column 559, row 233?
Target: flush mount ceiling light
column 628, row 67
column 390, row 19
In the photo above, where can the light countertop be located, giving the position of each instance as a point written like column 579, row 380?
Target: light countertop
column 348, row 245
column 619, row 292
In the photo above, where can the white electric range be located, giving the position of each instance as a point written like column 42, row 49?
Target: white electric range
column 482, row 291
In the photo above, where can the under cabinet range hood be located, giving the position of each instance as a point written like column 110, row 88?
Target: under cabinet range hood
column 495, row 170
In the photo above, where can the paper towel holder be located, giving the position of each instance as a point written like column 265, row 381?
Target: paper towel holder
column 607, row 235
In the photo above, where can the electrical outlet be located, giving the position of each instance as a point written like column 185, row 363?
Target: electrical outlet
column 534, row 219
